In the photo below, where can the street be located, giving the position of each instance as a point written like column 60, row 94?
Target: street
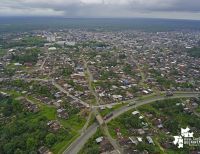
column 77, row 145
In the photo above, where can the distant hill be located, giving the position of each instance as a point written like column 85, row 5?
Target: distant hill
column 38, row 23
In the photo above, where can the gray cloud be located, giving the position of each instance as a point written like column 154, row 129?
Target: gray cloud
column 102, row 8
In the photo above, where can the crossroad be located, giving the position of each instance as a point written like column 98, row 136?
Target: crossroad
column 77, row 145
column 69, row 95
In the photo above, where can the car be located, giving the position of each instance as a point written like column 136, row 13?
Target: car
column 131, row 104
column 108, row 116
column 169, row 93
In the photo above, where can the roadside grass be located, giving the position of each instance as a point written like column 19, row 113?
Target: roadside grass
column 107, row 110
column 198, row 110
column 13, row 93
column 75, row 122
column 91, row 147
column 149, row 108
column 151, row 96
column 49, row 112
column 59, row 148
column 92, row 120
column 115, row 124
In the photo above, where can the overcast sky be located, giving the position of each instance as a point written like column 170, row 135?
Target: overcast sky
column 179, row 9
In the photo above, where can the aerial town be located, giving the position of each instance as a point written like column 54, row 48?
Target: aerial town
column 98, row 92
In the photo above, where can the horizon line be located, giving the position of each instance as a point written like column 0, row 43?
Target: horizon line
column 62, row 17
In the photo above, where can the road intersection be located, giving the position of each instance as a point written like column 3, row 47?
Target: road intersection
column 76, row 146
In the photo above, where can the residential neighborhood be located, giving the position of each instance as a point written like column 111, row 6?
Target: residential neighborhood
column 73, row 90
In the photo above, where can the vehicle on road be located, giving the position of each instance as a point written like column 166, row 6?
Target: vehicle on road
column 131, row 104
column 108, row 116
column 169, row 93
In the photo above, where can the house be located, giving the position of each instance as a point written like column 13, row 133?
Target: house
column 117, row 97
column 4, row 95
column 145, row 92
column 139, row 139
column 135, row 112
column 52, row 48
column 29, row 106
column 54, row 125
column 17, row 64
column 78, row 76
column 106, row 146
column 70, row 43
column 141, row 131
column 62, row 113
column 99, row 139
column 160, row 126
column 44, row 150
column 51, row 38
column 133, row 140
column 150, row 140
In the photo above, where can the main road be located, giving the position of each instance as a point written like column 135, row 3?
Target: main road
column 78, row 144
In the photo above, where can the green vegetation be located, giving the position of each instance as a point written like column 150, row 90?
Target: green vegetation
column 124, row 123
column 93, row 44
column 2, row 52
column 26, row 41
column 75, row 122
column 173, row 117
column 167, row 83
column 122, row 56
column 43, row 90
column 9, row 71
column 150, row 148
column 75, row 85
column 30, row 56
column 128, row 70
column 194, row 52
column 109, row 110
column 31, row 128
column 66, row 71
column 25, row 132
column 107, row 74
column 35, row 88
column 105, row 84
column 177, row 118
column 164, row 82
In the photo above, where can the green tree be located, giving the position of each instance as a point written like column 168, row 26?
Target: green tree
column 8, row 148
column 50, row 139
column 7, row 110
column 172, row 126
column 31, row 144
column 93, row 150
column 18, row 151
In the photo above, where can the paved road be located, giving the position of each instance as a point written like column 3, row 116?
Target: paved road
column 79, row 143
column 143, row 102
column 98, row 100
column 46, row 51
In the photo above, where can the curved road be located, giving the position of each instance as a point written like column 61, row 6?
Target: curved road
column 77, row 145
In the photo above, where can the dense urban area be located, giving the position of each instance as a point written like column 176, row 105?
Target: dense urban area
column 74, row 90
